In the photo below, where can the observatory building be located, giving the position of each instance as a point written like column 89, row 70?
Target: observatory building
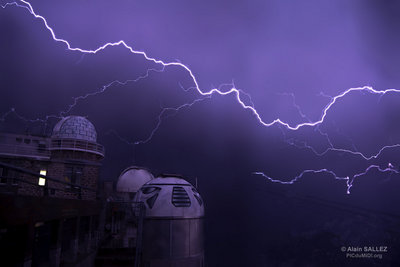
column 173, row 223
column 52, row 214
column 49, row 212
column 121, row 216
column 155, row 221
column 131, row 180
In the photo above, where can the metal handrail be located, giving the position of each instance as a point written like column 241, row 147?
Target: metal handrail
column 17, row 149
column 74, row 144
column 142, row 212
column 22, row 170
column 35, row 184
column 139, row 211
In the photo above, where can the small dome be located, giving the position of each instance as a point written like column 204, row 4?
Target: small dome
column 75, row 127
column 170, row 197
column 132, row 179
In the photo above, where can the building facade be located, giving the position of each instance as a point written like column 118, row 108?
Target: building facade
column 50, row 213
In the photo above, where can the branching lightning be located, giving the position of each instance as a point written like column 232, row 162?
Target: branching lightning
column 233, row 90
column 165, row 113
column 106, row 87
column 241, row 97
column 349, row 180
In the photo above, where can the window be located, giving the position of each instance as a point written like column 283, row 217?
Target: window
column 41, row 147
column 151, row 201
column 42, row 181
column 13, row 175
column 8, row 175
column 3, row 179
column 73, row 174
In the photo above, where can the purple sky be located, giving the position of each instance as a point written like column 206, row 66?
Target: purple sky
column 266, row 47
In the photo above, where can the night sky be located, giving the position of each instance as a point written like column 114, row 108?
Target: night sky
column 280, row 52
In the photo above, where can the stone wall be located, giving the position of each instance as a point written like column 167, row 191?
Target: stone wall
column 31, row 187
column 87, row 163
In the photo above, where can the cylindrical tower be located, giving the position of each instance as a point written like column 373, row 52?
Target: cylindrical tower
column 76, row 134
column 128, row 184
column 173, row 223
column 75, row 156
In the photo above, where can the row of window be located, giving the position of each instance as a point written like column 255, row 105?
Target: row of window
column 27, row 140
column 72, row 174
column 8, row 174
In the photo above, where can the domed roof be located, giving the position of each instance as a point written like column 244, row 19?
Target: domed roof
column 75, row 127
column 170, row 197
column 169, row 180
column 132, row 179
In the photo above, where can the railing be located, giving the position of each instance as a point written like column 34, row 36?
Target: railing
column 140, row 209
column 35, row 151
column 79, row 145
column 30, row 176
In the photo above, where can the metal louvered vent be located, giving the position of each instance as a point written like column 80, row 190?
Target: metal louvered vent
column 180, row 198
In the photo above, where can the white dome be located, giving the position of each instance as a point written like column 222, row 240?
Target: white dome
column 132, row 179
column 171, row 197
column 75, row 127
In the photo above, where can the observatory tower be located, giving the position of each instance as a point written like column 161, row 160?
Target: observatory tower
column 131, row 180
column 75, row 153
column 173, row 223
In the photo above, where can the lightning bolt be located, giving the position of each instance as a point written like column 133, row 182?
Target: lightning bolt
column 105, row 88
column 77, row 99
column 349, row 181
column 233, row 90
column 165, row 113
column 239, row 94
